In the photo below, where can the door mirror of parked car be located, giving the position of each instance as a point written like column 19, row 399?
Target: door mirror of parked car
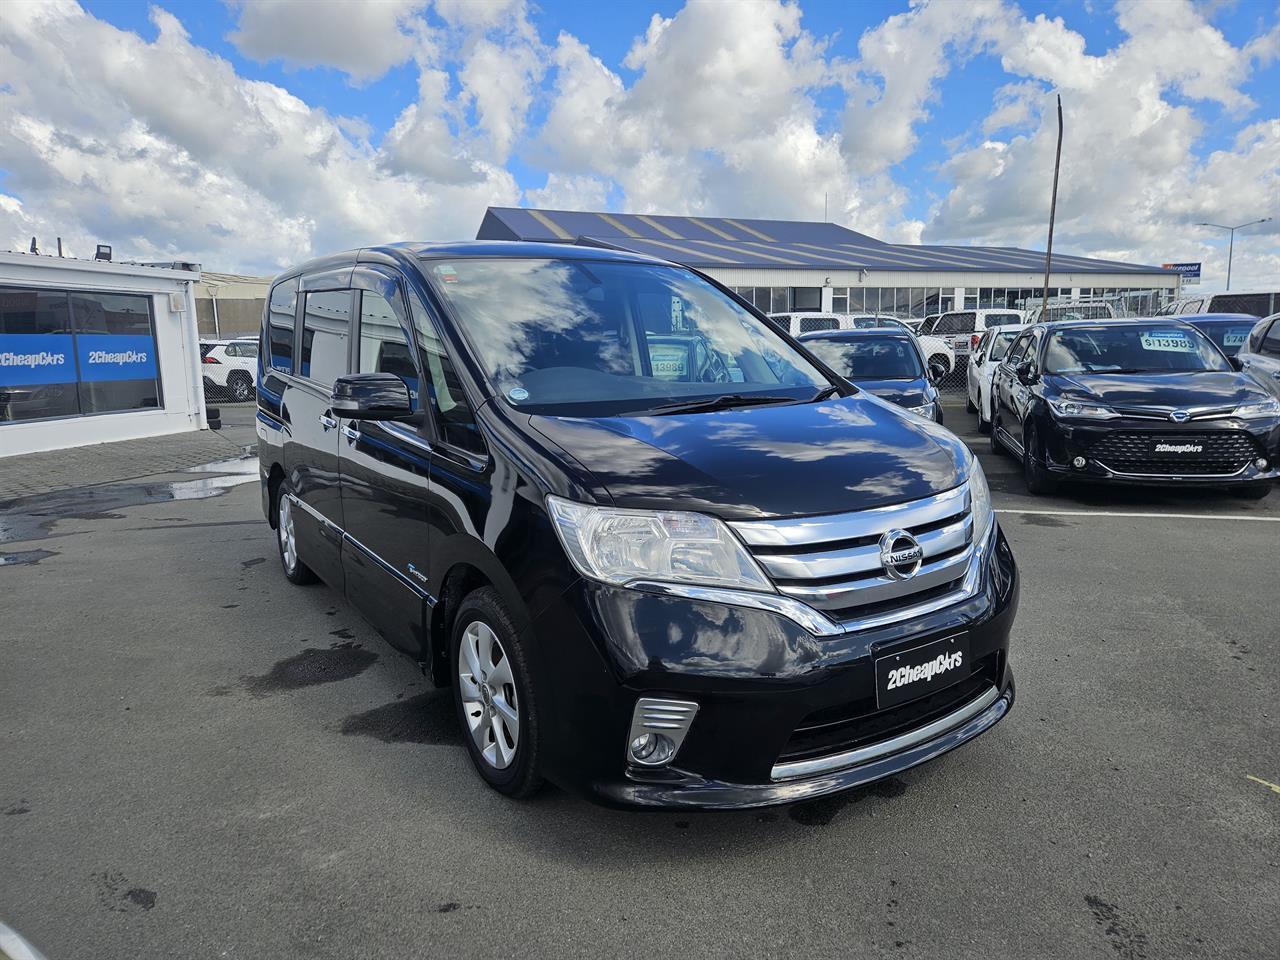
column 1026, row 372
column 1236, row 363
column 371, row 396
column 937, row 371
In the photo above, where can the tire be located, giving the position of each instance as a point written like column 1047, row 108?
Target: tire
column 968, row 404
column 1038, row 480
column 240, row 387
column 1258, row 490
column 984, row 425
column 504, row 752
column 295, row 571
column 997, row 447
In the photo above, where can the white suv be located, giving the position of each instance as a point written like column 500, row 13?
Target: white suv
column 962, row 329
column 229, row 367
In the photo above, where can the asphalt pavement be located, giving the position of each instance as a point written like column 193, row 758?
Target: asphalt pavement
column 198, row 759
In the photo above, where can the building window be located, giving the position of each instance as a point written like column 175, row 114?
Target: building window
column 806, row 299
column 64, row 354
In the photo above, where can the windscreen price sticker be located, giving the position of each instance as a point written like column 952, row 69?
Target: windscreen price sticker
column 1235, row 338
column 1167, row 340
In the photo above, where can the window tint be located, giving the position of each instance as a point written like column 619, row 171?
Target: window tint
column 326, row 325
column 1229, row 337
column 1258, row 304
column 280, row 313
column 115, row 352
column 1000, row 319
column 955, row 323
column 1271, row 342
column 810, row 324
column 1131, row 348
column 870, row 358
column 1000, row 343
column 27, row 312
column 456, row 422
column 1019, row 349
column 383, row 347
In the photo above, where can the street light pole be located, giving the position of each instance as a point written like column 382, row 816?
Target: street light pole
column 1231, row 247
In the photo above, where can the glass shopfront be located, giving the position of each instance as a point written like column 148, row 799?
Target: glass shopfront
column 70, row 353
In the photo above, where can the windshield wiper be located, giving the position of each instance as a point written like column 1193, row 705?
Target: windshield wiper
column 824, row 393
column 722, row 402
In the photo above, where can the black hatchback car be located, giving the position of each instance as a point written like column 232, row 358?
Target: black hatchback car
column 1133, row 401
column 661, row 555
column 884, row 361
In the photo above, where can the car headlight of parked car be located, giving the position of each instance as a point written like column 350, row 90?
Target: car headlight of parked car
column 927, row 410
column 980, row 501
column 1080, row 410
column 626, row 546
column 1270, row 407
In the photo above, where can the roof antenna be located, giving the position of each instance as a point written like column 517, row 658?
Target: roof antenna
column 34, row 248
column 825, row 218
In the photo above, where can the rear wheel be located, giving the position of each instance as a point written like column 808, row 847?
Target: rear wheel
column 494, row 695
column 1037, row 478
column 996, row 446
column 287, row 538
column 240, row 386
column 968, row 404
column 1257, row 490
column 984, row 425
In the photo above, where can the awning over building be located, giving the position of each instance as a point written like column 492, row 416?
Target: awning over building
column 794, row 244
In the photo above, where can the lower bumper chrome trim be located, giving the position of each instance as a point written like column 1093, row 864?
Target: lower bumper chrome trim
column 851, row 758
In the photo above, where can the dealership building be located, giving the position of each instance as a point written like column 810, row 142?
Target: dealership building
column 796, row 266
column 93, row 351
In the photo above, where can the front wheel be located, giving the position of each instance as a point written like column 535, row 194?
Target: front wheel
column 494, row 695
column 1036, row 476
column 241, row 387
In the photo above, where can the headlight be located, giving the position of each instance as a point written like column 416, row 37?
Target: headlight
column 1269, row 407
column 926, row 410
column 623, row 546
column 980, row 499
column 1087, row 411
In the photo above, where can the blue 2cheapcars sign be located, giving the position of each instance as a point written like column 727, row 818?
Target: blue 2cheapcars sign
column 30, row 359
column 115, row 357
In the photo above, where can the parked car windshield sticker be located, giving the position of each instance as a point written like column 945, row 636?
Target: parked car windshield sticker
column 1235, row 338
column 1174, row 341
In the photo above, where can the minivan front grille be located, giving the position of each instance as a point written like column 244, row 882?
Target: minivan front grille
column 832, row 562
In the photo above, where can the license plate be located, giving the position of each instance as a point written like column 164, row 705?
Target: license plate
column 960, row 344
column 915, row 673
column 1175, row 448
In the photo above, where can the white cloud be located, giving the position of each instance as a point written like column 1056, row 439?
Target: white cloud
column 363, row 43
column 163, row 150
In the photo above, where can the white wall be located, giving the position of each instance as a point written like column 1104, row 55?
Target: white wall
column 784, row 277
column 177, row 348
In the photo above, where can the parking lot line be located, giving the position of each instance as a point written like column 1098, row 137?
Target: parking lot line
column 1266, row 783
column 1121, row 513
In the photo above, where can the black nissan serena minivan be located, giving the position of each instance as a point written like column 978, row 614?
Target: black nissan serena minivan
column 662, row 555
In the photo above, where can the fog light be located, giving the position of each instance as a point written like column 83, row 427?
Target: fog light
column 658, row 728
column 1261, row 463
column 652, row 749
column 1078, row 463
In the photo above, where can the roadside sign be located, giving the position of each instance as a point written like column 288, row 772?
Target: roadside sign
column 1190, row 272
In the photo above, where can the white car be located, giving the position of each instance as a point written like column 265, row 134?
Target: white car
column 963, row 328
column 1071, row 310
column 229, row 367
column 983, row 360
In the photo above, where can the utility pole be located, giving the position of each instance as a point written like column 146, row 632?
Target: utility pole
column 1231, row 247
column 1053, row 210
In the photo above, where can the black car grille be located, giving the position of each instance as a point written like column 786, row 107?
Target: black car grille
column 858, row 724
column 1222, row 453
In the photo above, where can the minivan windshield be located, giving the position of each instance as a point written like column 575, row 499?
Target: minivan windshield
column 1131, row 347
column 598, row 338
column 869, row 358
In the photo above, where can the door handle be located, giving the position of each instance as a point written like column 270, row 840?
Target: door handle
column 351, row 433
column 327, row 422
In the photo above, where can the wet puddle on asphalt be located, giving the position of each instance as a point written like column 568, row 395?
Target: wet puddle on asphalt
column 33, row 518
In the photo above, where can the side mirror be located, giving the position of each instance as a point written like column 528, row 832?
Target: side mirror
column 371, row 396
column 1236, row 363
column 1026, row 373
column 937, row 371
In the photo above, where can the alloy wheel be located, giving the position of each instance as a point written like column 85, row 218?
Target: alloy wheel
column 288, row 538
column 489, row 700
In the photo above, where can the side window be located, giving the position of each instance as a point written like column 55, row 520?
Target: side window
column 452, row 411
column 1015, row 352
column 383, row 347
column 1271, row 342
column 1033, row 350
column 326, row 327
column 280, row 312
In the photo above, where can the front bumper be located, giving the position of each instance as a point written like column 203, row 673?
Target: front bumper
column 758, row 679
column 1065, row 440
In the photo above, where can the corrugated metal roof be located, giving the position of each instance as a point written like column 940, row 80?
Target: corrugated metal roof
column 738, row 242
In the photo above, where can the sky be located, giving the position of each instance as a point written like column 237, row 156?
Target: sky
column 249, row 135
